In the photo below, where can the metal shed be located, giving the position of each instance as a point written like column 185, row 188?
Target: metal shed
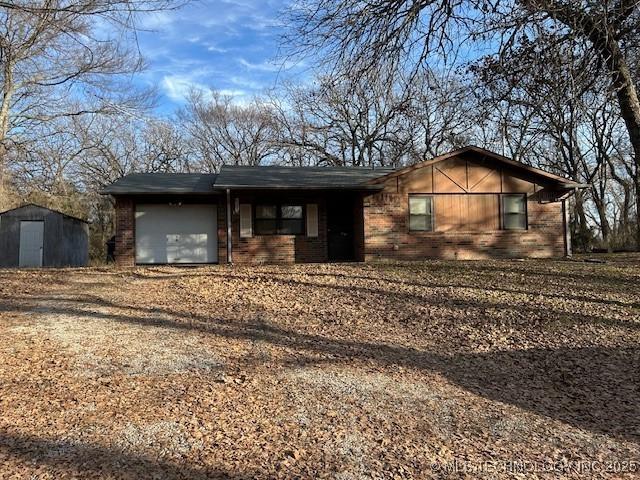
column 35, row 236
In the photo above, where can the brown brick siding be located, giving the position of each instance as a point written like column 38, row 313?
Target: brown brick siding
column 258, row 249
column 380, row 231
column 125, row 252
column 280, row 248
column 387, row 234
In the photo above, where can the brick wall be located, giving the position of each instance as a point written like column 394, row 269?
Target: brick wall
column 125, row 252
column 382, row 229
column 387, row 234
column 280, row 248
column 258, row 249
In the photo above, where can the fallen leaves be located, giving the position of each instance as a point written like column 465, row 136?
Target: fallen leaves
column 317, row 371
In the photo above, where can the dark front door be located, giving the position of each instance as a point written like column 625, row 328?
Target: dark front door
column 340, row 229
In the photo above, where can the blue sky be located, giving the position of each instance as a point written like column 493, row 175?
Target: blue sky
column 228, row 45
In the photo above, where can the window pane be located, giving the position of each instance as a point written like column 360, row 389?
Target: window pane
column 291, row 227
column 513, row 203
column 291, row 211
column 265, row 227
column 420, row 222
column 266, row 211
column 418, row 205
column 515, row 221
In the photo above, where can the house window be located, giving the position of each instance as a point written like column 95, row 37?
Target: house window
column 266, row 219
column 420, row 213
column 291, row 220
column 279, row 220
column 514, row 212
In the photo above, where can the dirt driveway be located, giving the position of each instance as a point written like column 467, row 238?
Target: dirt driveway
column 431, row 370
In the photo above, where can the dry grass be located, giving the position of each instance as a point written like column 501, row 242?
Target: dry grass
column 426, row 370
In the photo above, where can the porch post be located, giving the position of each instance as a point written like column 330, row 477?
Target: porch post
column 229, row 242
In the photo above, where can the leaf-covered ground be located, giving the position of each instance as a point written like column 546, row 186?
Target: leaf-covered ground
column 426, row 370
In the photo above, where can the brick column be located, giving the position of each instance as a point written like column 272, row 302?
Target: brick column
column 125, row 232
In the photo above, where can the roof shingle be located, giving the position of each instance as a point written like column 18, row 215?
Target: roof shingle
column 298, row 177
column 162, row 183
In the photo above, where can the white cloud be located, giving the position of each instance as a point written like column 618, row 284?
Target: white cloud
column 266, row 66
column 246, row 82
column 232, row 93
column 216, row 49
column 157, row 20
column 178, row 87
column 225, row 45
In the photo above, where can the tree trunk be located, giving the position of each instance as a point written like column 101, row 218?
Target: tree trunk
column 630, row 110
column 603, row 38
column 3, row 199
column 637, row 185
column 5, row 104
column 581, row 234
column 624, row 230
column 605, row 229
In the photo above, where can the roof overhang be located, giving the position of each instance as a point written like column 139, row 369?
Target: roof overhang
column 162, row 184
column 133, row 193
column 353, row 188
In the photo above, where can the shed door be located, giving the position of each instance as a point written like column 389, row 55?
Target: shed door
column 176, row 234
column 31, row 243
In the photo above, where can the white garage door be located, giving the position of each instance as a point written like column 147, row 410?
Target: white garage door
column 176, row 234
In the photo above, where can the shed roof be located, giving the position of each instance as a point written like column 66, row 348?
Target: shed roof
column 162, row 183
column 316, row 178
column 26, row 205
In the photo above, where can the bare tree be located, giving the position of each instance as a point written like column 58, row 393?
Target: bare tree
column 442, row 115
column 622, row 200
column 112, row 147
column 109, row 9
column 340, row 123
column 221, row 132
column 391, row 36
column 373, row 122
column 564, row 116
column 63, row 58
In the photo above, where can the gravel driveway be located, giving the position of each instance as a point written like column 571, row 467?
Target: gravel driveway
column 419, row 370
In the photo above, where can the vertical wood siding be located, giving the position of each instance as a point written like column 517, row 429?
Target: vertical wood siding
column 466, row 213
column 466, row 193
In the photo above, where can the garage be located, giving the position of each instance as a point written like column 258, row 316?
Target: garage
column 176, row 233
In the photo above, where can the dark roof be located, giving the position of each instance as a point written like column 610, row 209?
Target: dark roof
column 301, row 178
column 162, row 183
column 25, row 205
column 317, row 178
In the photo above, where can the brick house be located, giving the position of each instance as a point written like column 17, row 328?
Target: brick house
column 467, row 204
